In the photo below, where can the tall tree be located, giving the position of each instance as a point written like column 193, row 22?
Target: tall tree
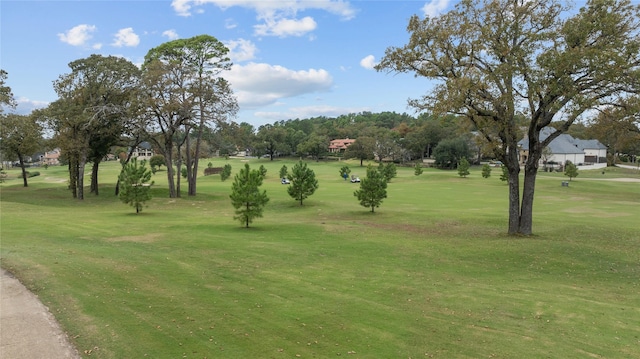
column 271, row 139
column 373, row 189
column 496, row 59
column 6, row 96
column 303, row 182
column 246, row 196
column 315, row 146
column 96, row 100
column 363, row 149
column 193, row 67
column 20, row 136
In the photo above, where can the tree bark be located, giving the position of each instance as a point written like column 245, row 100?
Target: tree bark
column 24, row 171
column 94, row 176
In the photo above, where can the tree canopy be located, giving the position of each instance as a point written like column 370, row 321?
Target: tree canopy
column 497, row 61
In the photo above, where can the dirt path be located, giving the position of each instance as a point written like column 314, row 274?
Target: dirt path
column 27, row 329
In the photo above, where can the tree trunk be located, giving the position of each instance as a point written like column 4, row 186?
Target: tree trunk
column 526, row 210
column 168, row 155
column 24, row 171
column 94, row 176
column 73, row 174
column 82, row 162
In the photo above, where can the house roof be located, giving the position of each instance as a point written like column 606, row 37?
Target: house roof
column 340, row 143
column 564, row 144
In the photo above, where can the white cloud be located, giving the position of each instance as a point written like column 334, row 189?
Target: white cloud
column 279, row 18
column 25, row 106
column 368, row 62
column 171, row 34
column 96, row 46
column 259, row 84
column 126, row 37
column 241, row 50
column 286, row 27
column 230, row 24
column 308, row 112
column 77, row 36
column 435, row 7
column 291, row 7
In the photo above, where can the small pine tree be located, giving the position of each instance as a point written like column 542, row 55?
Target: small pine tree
column 134, row 184
column 570, row 170
column 284, row 171
column 505, row 173
column 344, row 172
column 486, row 171
column 246, row 197
column 373, row 189
column 418, row 170
column 303, row 182
column 226, row 172
column 463, row 167
column 263, row 171
column 388, row 171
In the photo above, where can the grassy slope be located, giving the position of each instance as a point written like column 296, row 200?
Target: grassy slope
column 429, row 274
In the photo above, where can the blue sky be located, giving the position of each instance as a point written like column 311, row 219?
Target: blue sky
column 292, row 59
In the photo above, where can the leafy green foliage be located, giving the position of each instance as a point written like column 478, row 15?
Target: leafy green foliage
column 373, row 189
column 344, row 172
column 570, row 170
column 283, row 171
column 504, row 176
column 417, row 169
column 463, row 167
column 388, row 171
column 449, row 152
column 226, row 172
column 303, row 182
column 134, row 184
column 486, row 170
column 263, row 171
column 246, row 196
column 156, row 161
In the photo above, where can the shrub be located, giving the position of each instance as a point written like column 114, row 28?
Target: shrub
column 486, row 171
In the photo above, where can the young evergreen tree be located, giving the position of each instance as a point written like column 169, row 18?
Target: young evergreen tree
column 486, row 171
column 284, row 171
column 246, row 196
column 505, row 174
column 418, row 170
column 226, row 172
column 388, row 171
column 134, row 184
column 570, row 170
column 463, row 167
column 373, row 189
column 303, row 182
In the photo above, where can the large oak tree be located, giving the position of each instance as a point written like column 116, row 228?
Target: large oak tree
column 495, row 60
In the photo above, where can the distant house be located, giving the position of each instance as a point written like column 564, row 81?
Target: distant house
column 144, row 151
column 567, row 148
column 340, row 145
column 51, row 158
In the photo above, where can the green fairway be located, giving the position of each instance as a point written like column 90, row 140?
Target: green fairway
column 430, row 274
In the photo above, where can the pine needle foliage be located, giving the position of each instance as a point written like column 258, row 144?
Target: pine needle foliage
column 303, row 182
column 135, row 184
column 246, row 196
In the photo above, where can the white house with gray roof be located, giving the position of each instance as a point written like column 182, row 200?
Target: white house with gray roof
column 567, row 148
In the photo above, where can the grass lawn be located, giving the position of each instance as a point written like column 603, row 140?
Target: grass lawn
column 430, row 274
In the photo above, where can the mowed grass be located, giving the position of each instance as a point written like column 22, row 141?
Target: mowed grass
column 430, row 274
